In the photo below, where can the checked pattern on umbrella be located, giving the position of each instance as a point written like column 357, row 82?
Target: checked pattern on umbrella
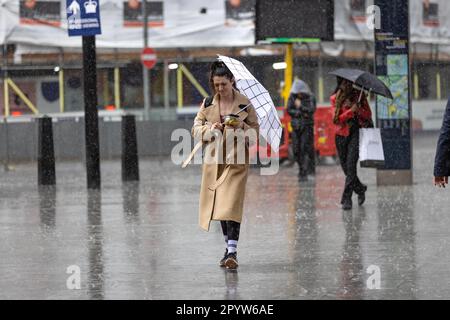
column 269, row 122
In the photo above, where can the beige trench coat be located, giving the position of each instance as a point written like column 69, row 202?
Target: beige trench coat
column 223, row 185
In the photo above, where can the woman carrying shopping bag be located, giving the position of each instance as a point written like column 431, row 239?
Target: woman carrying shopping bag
column 351, row 112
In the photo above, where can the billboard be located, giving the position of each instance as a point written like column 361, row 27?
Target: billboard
column 292, row 19
column 206, row 23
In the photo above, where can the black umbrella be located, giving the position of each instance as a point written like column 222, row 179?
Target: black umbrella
column 365, row 80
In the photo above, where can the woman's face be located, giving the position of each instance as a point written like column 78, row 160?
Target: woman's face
column 223, row 86
column 346, row 85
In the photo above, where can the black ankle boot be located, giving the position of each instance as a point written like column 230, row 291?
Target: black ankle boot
column 347, row 204
column 362, row 196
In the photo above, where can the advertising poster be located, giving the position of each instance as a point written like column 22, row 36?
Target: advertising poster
column 398, row 107
column 397, row 82
column 133, row 17
column 430, row 15
column 240, row 12
column 40, row 12
column 358, row 10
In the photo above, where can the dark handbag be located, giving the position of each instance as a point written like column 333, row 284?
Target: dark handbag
column 368, row 124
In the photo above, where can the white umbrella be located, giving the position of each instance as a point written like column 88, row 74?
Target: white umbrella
column 269, row 122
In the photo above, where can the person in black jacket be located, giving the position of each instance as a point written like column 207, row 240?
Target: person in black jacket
column 301, row 108
column 442, row 159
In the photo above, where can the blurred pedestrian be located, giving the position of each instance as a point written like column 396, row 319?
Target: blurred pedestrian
column 350, row 114
column 301, row 108
column 442, row 159
column 223, row 184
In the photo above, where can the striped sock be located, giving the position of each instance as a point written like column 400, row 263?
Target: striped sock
column 232, row 246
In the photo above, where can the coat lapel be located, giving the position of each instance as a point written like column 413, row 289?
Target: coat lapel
column 240, row 100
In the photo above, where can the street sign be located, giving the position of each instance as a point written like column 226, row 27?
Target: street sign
column 148, row 58
column 392, row 66
column 83, row 17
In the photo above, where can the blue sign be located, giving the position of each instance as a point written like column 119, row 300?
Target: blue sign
column 83, row 17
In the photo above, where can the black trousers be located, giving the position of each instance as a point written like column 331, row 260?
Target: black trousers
column 348, row 150
column 231, row 229
column 303, row 147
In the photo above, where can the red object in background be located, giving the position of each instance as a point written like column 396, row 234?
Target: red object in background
column 110, row 107
column 148, row 58
column 285, row 138
column 283, row 150
column 324, row 132
column 16, row 113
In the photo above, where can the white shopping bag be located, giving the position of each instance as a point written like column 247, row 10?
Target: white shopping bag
column 371, row 154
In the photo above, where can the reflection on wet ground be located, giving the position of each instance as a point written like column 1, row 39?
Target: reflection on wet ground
column 141, row 240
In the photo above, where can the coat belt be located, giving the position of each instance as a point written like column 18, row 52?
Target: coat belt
column 189, row 158
column 222, row 177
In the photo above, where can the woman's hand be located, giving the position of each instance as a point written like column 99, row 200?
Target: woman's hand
column 217, row 126
column 440, row 181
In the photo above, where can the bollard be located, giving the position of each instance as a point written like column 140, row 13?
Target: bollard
column 47, row 205
column 46, row 154
column 130, row 160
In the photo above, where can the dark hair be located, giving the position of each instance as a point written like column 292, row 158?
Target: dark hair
column 219, row 69
column 339, row 81
column 341, row 96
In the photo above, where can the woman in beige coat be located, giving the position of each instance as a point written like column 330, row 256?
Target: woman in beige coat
column 223, row 180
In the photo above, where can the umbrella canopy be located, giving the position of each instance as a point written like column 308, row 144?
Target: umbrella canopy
column 269, row 122
column 365, row 80
column 300, row 86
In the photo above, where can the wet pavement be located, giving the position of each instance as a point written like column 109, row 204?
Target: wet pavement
column 141, row 240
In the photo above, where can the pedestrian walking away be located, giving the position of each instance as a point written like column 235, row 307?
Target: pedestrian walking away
column 223, row 183
column 442, row 159
column 351, row 112
column 301, row 108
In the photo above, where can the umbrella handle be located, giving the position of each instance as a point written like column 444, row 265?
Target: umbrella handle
column 244, row 108
column 360, row 94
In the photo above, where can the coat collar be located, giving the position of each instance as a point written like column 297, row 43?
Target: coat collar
column 213, row 111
